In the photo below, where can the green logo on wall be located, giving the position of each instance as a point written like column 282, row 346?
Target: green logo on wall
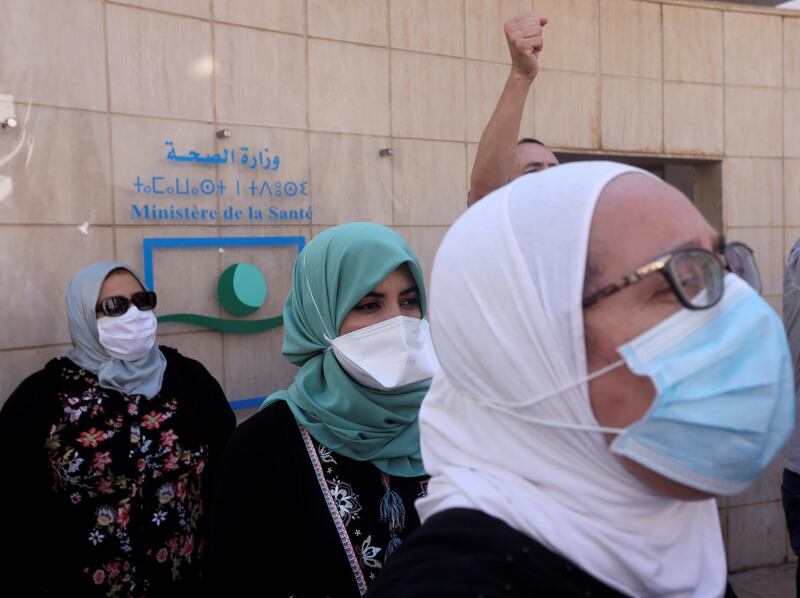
column 242, row 290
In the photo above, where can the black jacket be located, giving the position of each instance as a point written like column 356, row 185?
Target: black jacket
column 47, row 512
column 272, row 531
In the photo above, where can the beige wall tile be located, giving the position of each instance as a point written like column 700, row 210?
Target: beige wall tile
column 56, row 167
column 767, row 244
column 631, row 114
column 192, row 8
column 566, row 109
column 630, row 38
column 753, row 191
column 755, row 535
column 753, row 122
column 160, row 64
column 363, row 21
column 15, row 366
column 34, row 314
column 281, row 189
column 484, row 27
column 485, row 82
column 693, row 119
column 435, row 26
column 569, row 21
column 425, row 241
column 280, row 64
column 791, row 191
column 254, row 364
column 348, row 88
column 53, row 52
column 350, row 180
column 205, row 347
column 426, row 101
column 791, row 122
column 752, row 49
column 139, row 153
column 184, row 278
column 429, row 182
column 279, row 15
column 791, row 52
column 693, row 41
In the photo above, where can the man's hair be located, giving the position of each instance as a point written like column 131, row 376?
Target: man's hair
column 530, row 140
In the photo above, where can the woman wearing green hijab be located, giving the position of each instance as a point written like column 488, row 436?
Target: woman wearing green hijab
column 316, row 490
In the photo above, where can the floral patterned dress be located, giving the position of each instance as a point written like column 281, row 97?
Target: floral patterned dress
column 126, row 477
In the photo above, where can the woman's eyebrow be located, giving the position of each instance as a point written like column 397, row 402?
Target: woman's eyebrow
column 379, row 295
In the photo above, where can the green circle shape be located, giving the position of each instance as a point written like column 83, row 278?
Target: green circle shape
column 242, row 289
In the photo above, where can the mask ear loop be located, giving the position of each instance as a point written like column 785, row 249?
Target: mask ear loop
column 327, row 336
column 587, row 378
column 514, row 409
column 551, row 423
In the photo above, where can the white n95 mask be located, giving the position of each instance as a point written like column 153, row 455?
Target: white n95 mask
column 130, row 336
column 387, row 355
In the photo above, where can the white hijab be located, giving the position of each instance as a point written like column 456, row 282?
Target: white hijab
column 507, row 324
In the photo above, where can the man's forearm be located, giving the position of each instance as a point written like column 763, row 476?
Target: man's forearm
column 494, row 161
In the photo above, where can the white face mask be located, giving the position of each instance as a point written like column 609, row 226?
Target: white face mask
column 130, row 336
column 387, row 355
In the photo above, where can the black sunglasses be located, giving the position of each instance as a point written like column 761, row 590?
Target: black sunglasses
column 694, row 274
column 118, row 305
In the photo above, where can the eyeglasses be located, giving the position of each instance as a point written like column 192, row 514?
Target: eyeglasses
column 118, row 305
column 694, row 274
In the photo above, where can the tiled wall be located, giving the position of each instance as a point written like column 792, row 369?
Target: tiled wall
column 331, row 82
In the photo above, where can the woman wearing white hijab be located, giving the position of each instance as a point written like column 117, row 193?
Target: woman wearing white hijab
column 108, row 454
column 602, row 377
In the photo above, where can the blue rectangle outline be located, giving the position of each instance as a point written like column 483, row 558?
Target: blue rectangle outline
column 149, row 244
column 152, row 243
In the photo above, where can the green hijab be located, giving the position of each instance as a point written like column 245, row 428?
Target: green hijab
column 331, row 275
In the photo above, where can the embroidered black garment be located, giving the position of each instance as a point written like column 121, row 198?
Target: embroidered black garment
column 272, row 526
column 111, row 489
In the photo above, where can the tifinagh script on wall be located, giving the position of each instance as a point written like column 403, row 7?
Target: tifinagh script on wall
column 245, row 197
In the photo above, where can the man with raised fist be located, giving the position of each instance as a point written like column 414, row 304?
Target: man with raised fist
column 500, row 157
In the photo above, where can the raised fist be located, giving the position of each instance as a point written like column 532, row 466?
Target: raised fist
column 524, row 36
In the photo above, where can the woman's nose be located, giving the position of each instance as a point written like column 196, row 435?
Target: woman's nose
column 393, row 310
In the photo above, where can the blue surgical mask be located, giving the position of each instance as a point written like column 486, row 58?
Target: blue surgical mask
column 724, row 402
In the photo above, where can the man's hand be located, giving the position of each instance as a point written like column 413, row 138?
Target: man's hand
column 524, row 36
